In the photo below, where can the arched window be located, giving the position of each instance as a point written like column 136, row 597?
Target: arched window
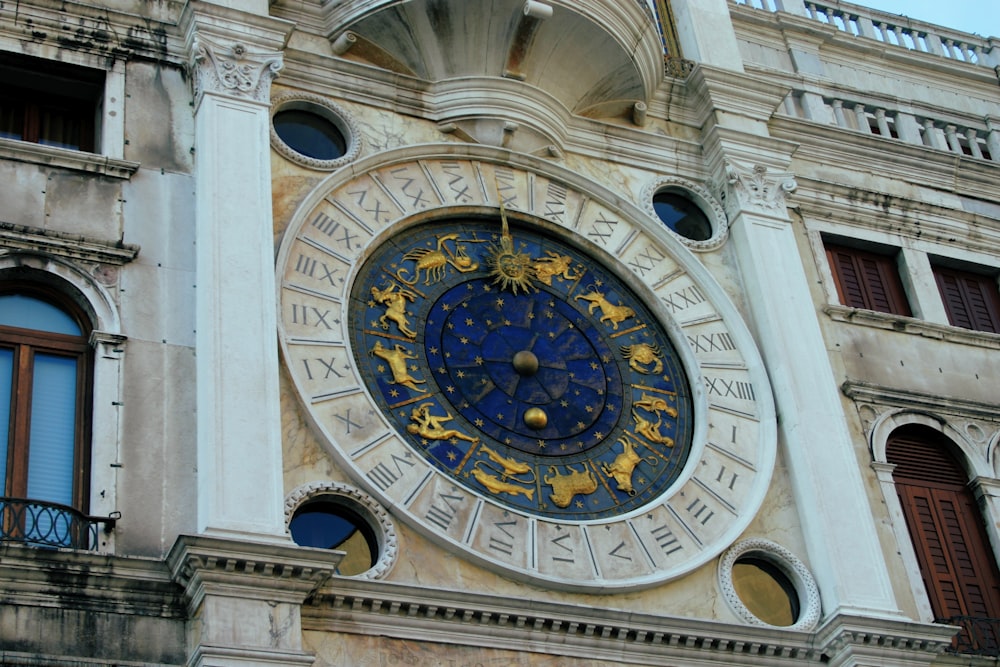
column 956, row 562
column 45, row 380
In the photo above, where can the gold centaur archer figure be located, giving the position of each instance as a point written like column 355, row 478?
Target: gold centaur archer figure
column 430, row 427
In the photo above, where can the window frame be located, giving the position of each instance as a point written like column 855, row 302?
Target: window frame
column 884, row 295
column 26, row 343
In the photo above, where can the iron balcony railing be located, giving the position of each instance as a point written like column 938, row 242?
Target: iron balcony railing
column 42, row 524
column 979, row 635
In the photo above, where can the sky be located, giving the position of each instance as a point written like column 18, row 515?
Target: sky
column 975, row 16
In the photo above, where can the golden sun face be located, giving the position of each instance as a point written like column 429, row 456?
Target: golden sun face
column 510, row 270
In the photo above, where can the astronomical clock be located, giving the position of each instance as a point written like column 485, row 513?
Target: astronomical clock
column 524, row 372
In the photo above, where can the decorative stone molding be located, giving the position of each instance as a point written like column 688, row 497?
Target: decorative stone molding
column 336, row 114
column 363, row 505
column 867, row 392
column 233, row 68
column 784, row 560
column 380, row 608
column 65, row 158
column 755, row 188
column 701, row 196
column 912, row 325
column 851, row 641
column 105, row 254
column 256, row 570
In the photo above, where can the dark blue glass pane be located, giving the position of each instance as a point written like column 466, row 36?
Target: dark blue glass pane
column 310, row 134
column 17, row 310
column 321, row 529
column 682, row 216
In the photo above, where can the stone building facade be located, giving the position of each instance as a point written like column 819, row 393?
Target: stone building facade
column 497, row 332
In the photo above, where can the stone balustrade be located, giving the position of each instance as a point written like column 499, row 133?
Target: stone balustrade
column 893, row 29
column 981, row 142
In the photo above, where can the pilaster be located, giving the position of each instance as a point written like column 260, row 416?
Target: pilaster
column 706, row 34
column 845, row 555
column 234, row 56
column 244, row 599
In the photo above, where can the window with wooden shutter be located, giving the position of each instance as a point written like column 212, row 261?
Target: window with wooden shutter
column 867, row 280
column 971, row 299
column 957, row 565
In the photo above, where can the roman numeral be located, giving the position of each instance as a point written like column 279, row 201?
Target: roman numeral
column 310, row 315
column 683, row 299
column 730, row 388
column 566, row 555
column 453, row 169
column 555, row 203
column 713, row 342
column 328, row 365
column 307, row 266
column 666, row 540
column 442, row 516
column 646, row 260
column 602, row 229
column 700, row 511
column 383, row 476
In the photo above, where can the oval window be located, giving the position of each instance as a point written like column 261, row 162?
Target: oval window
column 310, row 134
column 766, row 591
column 324, row 524
column 682, row 216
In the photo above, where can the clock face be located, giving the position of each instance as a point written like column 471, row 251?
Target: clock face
column 568, row 399
column 521, row 368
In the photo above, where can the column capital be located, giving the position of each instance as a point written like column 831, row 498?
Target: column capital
column 233, row 69
column 234, row 54
column 754, row 188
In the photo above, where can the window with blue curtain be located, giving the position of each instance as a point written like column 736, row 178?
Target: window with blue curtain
column 44, row 411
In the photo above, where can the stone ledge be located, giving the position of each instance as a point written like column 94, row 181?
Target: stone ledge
column 913, row 326
column 72, row 246
column 92, row 163
column 70, row 579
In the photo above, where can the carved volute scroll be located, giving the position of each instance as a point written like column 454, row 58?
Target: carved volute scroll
column 236, row 69
column 755, row 188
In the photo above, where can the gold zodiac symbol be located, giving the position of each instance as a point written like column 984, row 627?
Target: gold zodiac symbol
column 623, row 466
column 510, row 466
column 655, row 404
column 564, row 487
column 395, row 307
column 494, row 485
column 430, row 427
column 397, row 358
column 651, row 431
column 433, row 262
column 643, row 354
column 610, row 312
column 555, row 264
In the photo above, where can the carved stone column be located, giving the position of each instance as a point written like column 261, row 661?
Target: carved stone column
column 234, row 57
column 841, row 537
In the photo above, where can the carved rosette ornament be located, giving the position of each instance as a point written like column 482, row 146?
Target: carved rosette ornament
column 754, row 189
column 234, row 69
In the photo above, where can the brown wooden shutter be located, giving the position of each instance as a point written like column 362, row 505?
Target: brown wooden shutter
column 971, row 299
column 867, row 280
column 956, row 561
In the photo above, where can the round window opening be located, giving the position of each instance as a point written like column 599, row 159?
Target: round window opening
column 325, row 524
column 310, row 134
column 682, row 216
column 766, row 591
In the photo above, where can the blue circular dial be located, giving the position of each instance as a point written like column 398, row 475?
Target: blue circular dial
column 519, row 366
